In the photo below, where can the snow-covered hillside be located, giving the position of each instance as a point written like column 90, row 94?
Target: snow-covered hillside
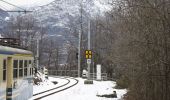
column 56, row 15
column 60, row 12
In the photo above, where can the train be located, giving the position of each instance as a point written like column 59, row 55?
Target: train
column 16, row 73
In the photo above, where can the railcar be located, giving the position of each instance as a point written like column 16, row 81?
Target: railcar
column 16, row 72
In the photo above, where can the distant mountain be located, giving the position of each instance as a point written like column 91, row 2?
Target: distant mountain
column 59, row 12
column 3, row 16
column 56, row 14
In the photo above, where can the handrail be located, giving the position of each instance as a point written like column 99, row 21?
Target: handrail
column 11, row 42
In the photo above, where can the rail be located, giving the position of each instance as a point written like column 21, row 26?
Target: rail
column 46, row 95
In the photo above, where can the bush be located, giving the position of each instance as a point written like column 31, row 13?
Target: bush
column 88, row 82
column 123, row 83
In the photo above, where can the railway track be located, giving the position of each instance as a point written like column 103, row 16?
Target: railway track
column 53, row 89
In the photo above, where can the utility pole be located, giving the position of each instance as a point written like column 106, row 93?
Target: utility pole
column 80, row 36
column 37, row 56
column 89, row 63
column 79, row 53
column 89, row 34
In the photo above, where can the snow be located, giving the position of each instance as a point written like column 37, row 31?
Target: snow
column 1, row 36
column 7, row 18
column 88, row 92
column 47, row 84
column 102, row 5
column 23, row 3
column 79, row 91
column 59, row 35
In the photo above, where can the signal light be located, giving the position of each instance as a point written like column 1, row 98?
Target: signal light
column 88, row 54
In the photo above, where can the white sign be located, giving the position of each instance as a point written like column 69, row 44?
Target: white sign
column 88, row 61
column 99, row 72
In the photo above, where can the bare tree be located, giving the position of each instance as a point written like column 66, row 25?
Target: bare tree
column 136, row 40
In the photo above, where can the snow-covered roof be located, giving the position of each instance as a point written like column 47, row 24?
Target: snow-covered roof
column 1, row 36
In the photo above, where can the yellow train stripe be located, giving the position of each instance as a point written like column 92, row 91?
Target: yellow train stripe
column 13, row 96
column 25, row 55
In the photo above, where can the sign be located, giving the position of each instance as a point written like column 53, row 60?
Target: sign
column 88, row 54
column 99, row 72
column 88, row 61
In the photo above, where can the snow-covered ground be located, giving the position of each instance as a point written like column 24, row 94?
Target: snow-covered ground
column 72, row 82
column 47, row 84
column 85, row 92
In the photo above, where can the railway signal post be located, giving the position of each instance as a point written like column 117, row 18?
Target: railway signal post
column 88, row 55
column 88, row 58
column 88, row 52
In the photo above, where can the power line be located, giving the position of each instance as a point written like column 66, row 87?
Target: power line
column 25, row 11
column 12, row 4
column 22, row 10
column 3, row 7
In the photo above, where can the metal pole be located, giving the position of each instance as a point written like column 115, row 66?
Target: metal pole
column 37, row 58
column 89, row 47
column 79, row 53
column 93, row 71
column 79, row 45
column 89, row 34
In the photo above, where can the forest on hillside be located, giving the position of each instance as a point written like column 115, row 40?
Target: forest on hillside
column 135, row 39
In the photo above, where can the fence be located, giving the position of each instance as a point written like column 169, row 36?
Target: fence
column 93, row 76
column 72, row 73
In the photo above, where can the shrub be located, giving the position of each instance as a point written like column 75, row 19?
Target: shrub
column 123, row 83
column 88, row 82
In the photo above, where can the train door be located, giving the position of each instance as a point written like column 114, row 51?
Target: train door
column 3, row 77
column 9, row 73
column 2, row 90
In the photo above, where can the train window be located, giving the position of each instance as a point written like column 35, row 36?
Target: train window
column 25, row 72
column 4, row 64
column 20, row 72
column 29, row 65
column 29, row 61
column 21, row 68
column 25, row 63
column 21, row 64
column 25, row 67
column 4, row 70
column 15, row 65
column 30, row 71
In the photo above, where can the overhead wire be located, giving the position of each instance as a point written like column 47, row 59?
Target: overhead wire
column 3, row 7
column 12, row 5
